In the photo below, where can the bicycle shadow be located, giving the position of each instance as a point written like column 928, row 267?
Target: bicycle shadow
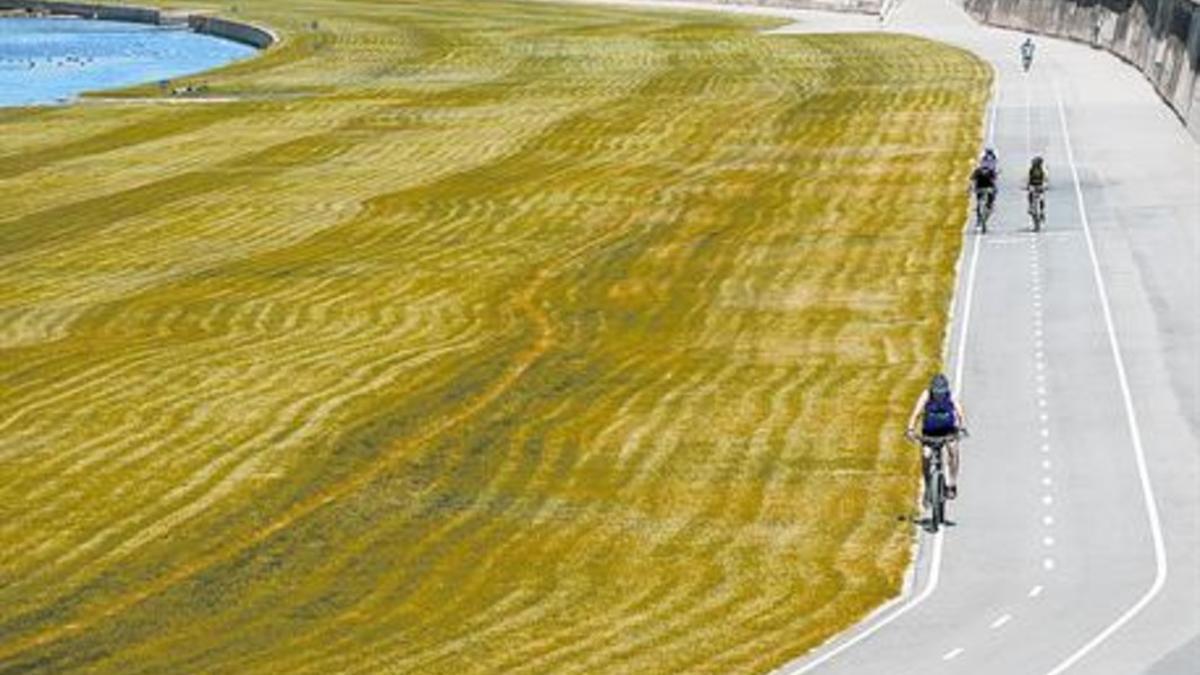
column 925, row 522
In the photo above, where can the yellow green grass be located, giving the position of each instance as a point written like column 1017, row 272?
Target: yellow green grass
column 474, row 337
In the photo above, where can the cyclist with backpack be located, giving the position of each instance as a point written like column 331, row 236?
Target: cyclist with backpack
column 939, row 416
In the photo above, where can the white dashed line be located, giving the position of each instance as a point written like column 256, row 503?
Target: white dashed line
column 1001, row 621
column 1047, row 520
column 1047, row 541
column 1035, row 591
column 1047, row 481
column 1047, row 500
column 1045, row 447
column 952, row 654
column 1046, row 464
column 1045, row 433
column 1048, row 564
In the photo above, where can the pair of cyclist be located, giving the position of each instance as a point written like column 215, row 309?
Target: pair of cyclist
column 985, row 179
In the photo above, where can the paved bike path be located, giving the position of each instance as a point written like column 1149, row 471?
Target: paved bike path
column 1054, row 545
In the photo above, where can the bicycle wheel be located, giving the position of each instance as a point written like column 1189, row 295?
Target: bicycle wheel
column 939, row 501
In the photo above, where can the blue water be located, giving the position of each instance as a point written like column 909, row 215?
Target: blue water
column 46, row 61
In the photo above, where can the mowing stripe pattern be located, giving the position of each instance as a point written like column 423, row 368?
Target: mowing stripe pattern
column 487, row 337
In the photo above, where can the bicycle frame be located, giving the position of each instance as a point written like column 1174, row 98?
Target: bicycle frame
column 982, row 210
column 1037, row 206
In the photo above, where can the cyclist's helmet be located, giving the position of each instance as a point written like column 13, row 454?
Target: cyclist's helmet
column 939, row 385
column 1037, row 161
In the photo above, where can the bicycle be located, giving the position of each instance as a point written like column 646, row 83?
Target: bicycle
column 1037, row 206
column 935, row 475
column 983, row 208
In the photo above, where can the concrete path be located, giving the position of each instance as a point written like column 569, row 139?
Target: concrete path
column 1077, row 538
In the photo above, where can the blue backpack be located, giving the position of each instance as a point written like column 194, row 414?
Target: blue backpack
column 940, row 418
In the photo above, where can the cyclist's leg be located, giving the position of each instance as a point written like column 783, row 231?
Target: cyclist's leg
column 925, row 453
column 952, row 463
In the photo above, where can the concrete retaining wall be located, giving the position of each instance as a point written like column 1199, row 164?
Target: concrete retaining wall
column 861, row 6
column 1159, row 37
column 223, row 28
column 232, row 30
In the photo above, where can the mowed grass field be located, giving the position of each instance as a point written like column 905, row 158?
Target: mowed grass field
column 483, row 337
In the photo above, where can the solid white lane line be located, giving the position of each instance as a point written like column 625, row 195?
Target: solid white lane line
column 1135, row 434
column 1035, row 591
column 952, row 654
column 935, row 563
column 1001, row 621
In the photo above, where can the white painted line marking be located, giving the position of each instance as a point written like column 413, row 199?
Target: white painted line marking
column 1048, row 564
column 1047, row 500
column 1046, row 464
column 1045, row 433
column 1047, row 520
column 1044, row 417
column 1001, row 621
column 952, row 654
column 1047, row 541
column 935, row 563
column 1047, row 481
column 1135, row 434
column 1035, row 591
column 1041, row 403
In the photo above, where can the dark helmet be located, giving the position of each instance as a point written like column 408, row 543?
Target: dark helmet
column 989, row 153
column 1037, row 161
column 939, row 385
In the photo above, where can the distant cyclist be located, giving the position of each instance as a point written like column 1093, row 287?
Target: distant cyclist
column 1027, row 53
column 939, row 415
column 1036, row 181
column 984, row 179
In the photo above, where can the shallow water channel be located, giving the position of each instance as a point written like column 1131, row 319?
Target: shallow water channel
column 48, row 61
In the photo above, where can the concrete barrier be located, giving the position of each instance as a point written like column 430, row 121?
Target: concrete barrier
column 859, row 6
column 230, row 30
column 1159, row 37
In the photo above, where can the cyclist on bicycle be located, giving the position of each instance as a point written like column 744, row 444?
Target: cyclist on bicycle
column 1036, row 180
column 939, row 416
column 983, row 178
column 1027, row 52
